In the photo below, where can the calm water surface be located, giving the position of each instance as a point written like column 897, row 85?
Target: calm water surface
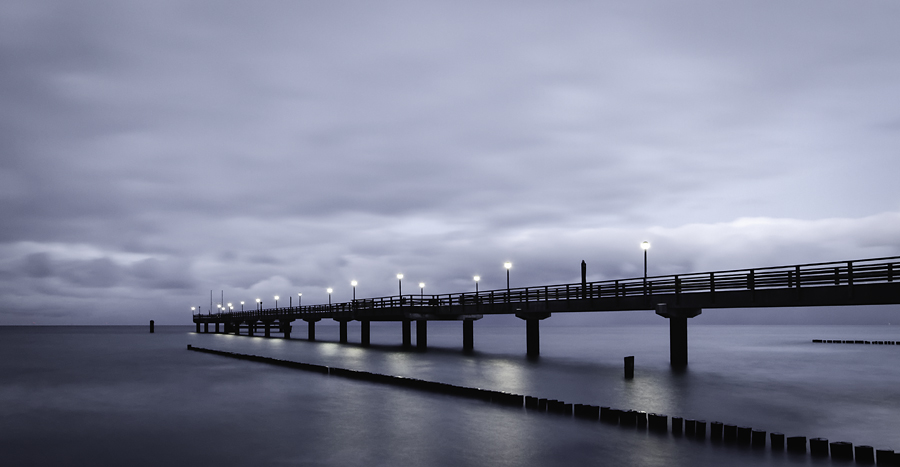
column 122, row 396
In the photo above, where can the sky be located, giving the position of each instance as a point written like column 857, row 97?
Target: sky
column 151, row 152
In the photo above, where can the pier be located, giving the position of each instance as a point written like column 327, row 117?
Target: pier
column 676, row 298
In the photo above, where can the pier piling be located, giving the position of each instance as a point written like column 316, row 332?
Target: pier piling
column 407, row 333
column 421, row 334
column 468, row 335
column 364, row 333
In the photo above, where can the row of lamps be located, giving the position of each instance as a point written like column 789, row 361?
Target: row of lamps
column 508, row 265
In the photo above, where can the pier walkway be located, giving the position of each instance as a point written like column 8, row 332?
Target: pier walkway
column 675, row 297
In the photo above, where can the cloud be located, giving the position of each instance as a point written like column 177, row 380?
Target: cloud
column 152, row 152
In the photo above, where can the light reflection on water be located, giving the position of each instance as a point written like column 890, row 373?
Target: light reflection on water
column 111, row 394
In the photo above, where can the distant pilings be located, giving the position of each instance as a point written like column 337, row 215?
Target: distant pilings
column 839, row 341
column 631, row 419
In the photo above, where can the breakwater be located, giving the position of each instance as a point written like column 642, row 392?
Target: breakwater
column 839, row 341
column 718, row 432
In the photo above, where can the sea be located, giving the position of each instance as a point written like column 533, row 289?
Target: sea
column 119, row 395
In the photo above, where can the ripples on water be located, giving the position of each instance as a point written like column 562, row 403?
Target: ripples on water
column 121, row 396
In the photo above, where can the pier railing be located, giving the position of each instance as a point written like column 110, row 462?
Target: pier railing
column 831, row 274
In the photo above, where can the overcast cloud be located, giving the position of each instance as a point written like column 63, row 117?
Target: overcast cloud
column 154, row 151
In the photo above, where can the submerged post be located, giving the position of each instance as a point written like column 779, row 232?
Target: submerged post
column 151, row 326
column 629, row 367
column 678, row 339
column 533, row 331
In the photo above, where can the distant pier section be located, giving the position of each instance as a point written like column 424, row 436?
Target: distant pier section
column 674, row 297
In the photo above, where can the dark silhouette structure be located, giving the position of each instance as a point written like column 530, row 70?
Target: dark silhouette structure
column 675, row 297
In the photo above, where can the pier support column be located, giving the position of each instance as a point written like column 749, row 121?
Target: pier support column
column 532, row 331
column 364, row 332
column 217, row 327
column 285, row 328
column 343, row 332
column 250, row 329
column 678, row 336
column 198, row 328
column 268, row 329
column 407, row 333
column 236, row 328
column 205, row 327
column 468, row 335
column 311, row 325
column 421, row 334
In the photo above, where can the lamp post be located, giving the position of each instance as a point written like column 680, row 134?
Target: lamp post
column 276, row 303
column 258, row 304
column 192, row 311
column 477, row 278
column 329, row 295
column 242, row 306
column 508, row 266
column 353, row 283
column 645, row 245
column 400, row 284
column 299, row 299
column 421, row 290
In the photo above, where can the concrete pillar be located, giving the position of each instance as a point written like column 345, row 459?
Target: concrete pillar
column 421, row 334
column 407, row 333
column 678, row 338
column 217, row 327
column 533, row 337
column 533, row 331
column 286, row 328
column 343, row 326
column 268, row 328
column 468, row 335
column 250, row 329
column 311, row 325
column 678, row 341
column 205, row 327
column 198, row 328
column 364, row 332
